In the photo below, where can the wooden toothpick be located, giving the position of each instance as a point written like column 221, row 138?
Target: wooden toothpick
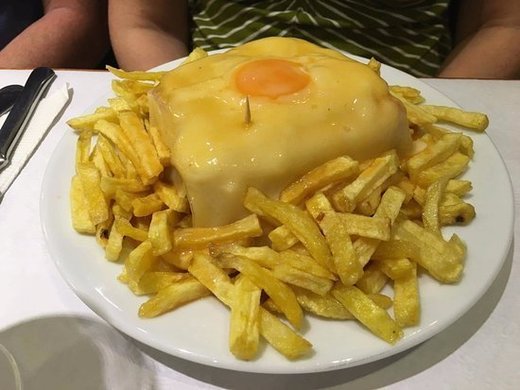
column 247, row 114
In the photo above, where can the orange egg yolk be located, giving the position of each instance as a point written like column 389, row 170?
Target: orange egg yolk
column 271, row 78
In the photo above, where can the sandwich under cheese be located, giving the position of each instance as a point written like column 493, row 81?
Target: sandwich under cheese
column 265, row 113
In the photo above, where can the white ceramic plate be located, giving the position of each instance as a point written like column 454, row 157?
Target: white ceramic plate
column 199, row 331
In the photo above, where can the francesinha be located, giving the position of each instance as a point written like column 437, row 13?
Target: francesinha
column 265, row 113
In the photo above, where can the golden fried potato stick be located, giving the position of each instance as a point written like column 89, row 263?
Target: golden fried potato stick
column 395, row 268
column 434, row 153
column 298, row 221
column 88, row 122
column 450, row 168
column 298, row 277
column 472, row 120
column 136, row 75
column 138, row 262
column 160, row 231
column 373, row 279
column 368, row 313
column 244, row 328
column 153, row 281
column 83, row 146
column 407, row 307
column 115, row 242
column 389, row 207
column 141, row 142
column 201, row 237
column 345, row 258
column 378, row 171
column 332, row 171
column 81, row 220
column 91, row 182
column 431, row 213
column 279, row 335
column 435, row 254
column 177, row 294
column 279, row 292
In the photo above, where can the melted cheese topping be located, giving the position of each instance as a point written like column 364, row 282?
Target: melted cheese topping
column 306, row 105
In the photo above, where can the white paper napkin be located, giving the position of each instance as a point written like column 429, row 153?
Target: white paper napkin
column 43, row 118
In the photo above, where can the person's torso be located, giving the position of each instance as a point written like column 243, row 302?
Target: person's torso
column 411, row 35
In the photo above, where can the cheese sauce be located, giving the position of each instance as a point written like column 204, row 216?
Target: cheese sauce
column 306, row 105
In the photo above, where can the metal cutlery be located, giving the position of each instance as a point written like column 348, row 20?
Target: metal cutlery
column 35, row 88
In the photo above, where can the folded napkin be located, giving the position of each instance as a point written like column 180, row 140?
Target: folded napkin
column 42, row 120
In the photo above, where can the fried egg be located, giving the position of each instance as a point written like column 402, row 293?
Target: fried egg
column 265, row 113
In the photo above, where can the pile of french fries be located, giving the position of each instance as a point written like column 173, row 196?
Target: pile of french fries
column 327, row 247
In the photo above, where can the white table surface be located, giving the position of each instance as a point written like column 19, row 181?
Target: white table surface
column 61, row 344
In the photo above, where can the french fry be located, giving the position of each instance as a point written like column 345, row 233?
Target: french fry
column 373, row 279
column 363, row 226
column 173, row 296
column 452, row 167
column 203, row 237
column 81, row 220
column 434, row 153
column 431, row 214
column 395, row 268
column 171, row 197
column 115, row 243
column 282, row 238
column 110, row 185
column 153, row 281
column 297, row 277
column 305, row 263
column 435, row 255
column 472, row 120
column 279, row 292
column 456, row 213
column 283, row 338
column 279, row 335
column 244, row 332
column 345, row 258
column 296, row 220
column 322, row 305
column 406, row 298
column 368, row 313
column 340, row 168
column 163, row 152
column 382, row 168
column 110, row 156
column 147, row 205
column 91, row 182
column 138, row 262
column 126, row 229
column 115, row 134
column 141, row 142
column 416, row 114
column 389, row 207
column 83, row 146
column 160, row 232
column 87, row 122
column 136, row 75
column 119, row 104
column 179, row 258
column 412, row 95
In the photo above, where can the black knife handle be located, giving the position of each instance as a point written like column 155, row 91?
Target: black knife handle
column 37, row 84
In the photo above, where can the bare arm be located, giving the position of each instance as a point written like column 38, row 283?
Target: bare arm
column 71, row 34
column 488, row 35
column 145, row 33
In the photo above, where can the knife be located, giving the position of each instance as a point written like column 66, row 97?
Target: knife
column 37, row 84
column 8, row 96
